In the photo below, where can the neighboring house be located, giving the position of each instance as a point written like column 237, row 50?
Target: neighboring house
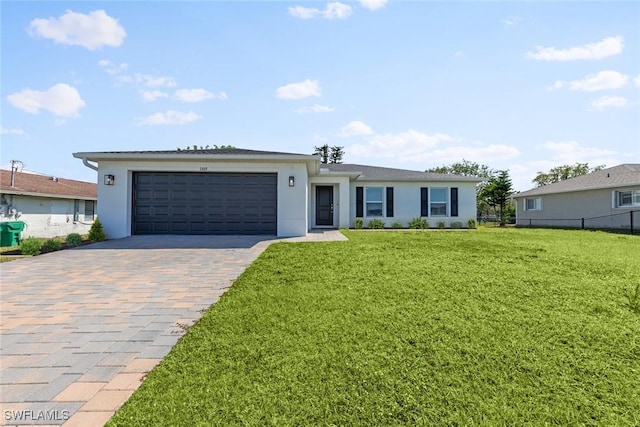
column 602, row 199
column 237, row 191
column 49, row 206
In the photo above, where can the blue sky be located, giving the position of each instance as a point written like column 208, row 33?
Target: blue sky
column 523, row 86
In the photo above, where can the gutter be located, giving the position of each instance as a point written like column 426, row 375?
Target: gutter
column 89, row 165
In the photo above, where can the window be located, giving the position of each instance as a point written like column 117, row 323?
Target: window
column 628, row 198
column 89, row 208
column 76, row 210
column 373, row 201
column 438, row 202
column 533, row 204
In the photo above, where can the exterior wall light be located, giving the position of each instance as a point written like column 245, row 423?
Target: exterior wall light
column 292, row 181
column 109, row 180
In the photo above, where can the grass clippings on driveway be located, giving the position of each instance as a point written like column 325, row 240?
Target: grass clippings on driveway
column 493, row 327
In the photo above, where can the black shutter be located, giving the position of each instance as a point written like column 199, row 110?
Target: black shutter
column 389, row 202
column 424, row 201
column 454, row 201
column 359, row 202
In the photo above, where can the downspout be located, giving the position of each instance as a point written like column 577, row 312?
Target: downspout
column 89, row 165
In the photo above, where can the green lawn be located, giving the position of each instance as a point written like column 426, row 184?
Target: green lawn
column 486, row 327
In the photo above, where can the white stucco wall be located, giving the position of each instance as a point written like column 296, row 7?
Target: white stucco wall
column 45, row 217
column 567, row 209
column 115, row 207
column 406, row 197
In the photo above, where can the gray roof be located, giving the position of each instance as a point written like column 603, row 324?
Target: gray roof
column 618, row 176
column 375, row 173
column 220, row 151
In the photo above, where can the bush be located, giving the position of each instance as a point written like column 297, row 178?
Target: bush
column 73, row 240
column 456, row 224
column 441, row 224
column 52, row 245
column 471, row 223
column 96, row 232
column 418, row 223
column 31, row 246
column 359, row 223
column 396, row 225
column 375, row 224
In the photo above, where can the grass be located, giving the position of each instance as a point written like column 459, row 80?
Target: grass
column 12, row 253
column 491, row 327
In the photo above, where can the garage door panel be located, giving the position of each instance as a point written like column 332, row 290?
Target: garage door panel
column 204, row 203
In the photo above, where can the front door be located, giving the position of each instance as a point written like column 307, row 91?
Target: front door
column 324, row 205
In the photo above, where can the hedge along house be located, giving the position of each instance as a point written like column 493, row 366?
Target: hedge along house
column 49, row 206
column 608, row 199
column 238, row 191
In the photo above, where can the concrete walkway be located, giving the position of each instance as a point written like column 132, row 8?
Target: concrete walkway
column 81, row 327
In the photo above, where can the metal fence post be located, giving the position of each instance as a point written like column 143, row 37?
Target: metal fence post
column 631, row 222
column 582, row 223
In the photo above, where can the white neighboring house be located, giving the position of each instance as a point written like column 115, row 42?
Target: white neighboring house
column 49, row 206
column 608, row 199
column 238, row 191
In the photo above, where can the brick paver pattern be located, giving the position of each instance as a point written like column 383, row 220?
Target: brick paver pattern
column 80, row 328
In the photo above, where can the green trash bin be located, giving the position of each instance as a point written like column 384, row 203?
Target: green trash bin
column 10, row 233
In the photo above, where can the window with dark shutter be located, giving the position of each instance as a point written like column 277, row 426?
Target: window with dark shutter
column 424, row 201
column 359, row 202
column 454, row 201
column 389, row 202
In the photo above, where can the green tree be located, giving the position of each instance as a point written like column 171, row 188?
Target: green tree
column 497, row 193
column 560, row 173
column 468, row 168
column 329, row 154
column 207, row 147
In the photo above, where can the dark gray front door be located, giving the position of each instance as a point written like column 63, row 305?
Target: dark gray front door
column 324, row 205
column 204, row 203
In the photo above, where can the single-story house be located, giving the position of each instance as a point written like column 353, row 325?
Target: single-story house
column 49, row 206
column 602, row 199
column 238, row 191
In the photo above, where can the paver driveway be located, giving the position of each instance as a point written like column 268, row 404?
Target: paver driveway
column 80, row 327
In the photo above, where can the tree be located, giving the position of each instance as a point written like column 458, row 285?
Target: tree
column 195, row 147
column 497, row 192
column 560, row 173
column 329, row 154
column 467, row 168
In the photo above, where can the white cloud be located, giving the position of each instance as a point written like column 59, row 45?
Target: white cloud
column 373, row 4
column 337, row 10
column 408, row 146
column 316, row 108
column 571, row 152
column 196, row 95
column 602, row 81
column 92, row 31
column 300, row 90
column 304, row 12
column 61, row 99
column 607, row 47
column 608, row 101
column 333, row 10
column 355, row 128
column 170, row 117
column 510, row 21
column 148, row 80
column 111, row 68
column 11, row 131
column 636, row 81
column 152, row 95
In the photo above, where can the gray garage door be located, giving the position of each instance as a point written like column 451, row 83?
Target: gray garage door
column 204, row 203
